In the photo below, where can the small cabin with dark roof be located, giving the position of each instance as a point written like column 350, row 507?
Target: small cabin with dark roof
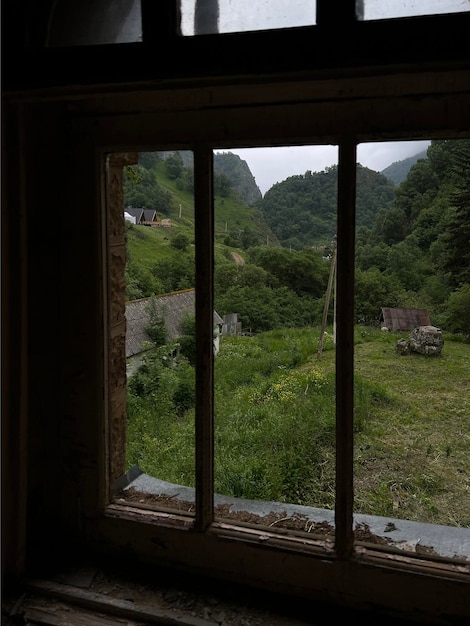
column 143, row 217
column 404, row 319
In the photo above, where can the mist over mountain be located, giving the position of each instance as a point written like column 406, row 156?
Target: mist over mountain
column 398, row 171
column 243, row 181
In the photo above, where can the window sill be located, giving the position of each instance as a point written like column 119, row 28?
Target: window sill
column 373, row 533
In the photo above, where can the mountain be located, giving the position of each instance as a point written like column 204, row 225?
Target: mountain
column 398, row 171
column 231, row 166
column 237, row 170
column 301, row 210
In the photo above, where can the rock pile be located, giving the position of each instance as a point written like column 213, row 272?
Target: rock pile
column 425, row 340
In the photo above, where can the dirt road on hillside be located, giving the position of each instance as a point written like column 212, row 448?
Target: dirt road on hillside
column 239, row 260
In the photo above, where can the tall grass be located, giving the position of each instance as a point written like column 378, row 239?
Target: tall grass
column 274, row 420
column 274, row 425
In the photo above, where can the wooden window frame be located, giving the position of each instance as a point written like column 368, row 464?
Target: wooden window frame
column 186, row 537
column 344, row 102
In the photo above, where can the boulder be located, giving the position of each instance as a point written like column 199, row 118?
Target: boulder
column 403, row 346
column 425, row 340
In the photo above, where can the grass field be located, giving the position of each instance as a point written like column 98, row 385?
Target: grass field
column 275, row 426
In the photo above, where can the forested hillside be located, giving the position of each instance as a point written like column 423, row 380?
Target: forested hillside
column 302, row 209
column 398, row 171
column 412, row 242
column 417, row 253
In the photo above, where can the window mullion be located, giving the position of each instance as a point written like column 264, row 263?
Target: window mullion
column 204, row 228
column 345, row 347
column 337, row 12
column 161, row 21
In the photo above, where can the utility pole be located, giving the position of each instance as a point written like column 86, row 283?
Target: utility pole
column 327, row 302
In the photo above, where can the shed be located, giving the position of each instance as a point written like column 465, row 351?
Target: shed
column 404, row 319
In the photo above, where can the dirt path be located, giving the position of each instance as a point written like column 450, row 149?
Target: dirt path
column 239, row 260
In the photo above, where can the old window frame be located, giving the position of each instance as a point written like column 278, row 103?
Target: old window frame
column 204, row 418
column 167, row 119
column 203, row 523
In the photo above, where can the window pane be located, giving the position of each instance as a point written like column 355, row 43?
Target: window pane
column 275, row 340
column 275, row 369
column 412, row 433
column 226, row 16
column 378, row 10
column 160, row 335
column 119, row 21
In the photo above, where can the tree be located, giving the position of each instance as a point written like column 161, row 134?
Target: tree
column 458, row 311
column 177, row 272
column 389, row 227
column 141, row 190
column 248, row 275
column 304, row 272
column 222, row 185
column 180, row 242
column 416, row 192
column 174, row 166
column 140, row 282
column 264, row 308
column 406, row 262
column 156, row 328
column 149, row 159
column 368, row 256
column 456, row 257
column 249, row 238
column 187, row 341
column 374, row 290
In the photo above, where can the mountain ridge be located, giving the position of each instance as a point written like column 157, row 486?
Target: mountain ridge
column 398, row 170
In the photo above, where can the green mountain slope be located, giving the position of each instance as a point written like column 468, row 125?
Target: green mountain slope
column 302, row 209
column 398, row 171
column 156, row 263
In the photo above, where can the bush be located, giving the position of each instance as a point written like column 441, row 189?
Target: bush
column 458, row 311
column 180, row 242
column 156, row 328
column 184, row 397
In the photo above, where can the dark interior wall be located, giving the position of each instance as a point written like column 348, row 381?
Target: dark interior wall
column 13, row 353
column 43, row 181
column 54, row 279
column 53, row 326
column 25, row 23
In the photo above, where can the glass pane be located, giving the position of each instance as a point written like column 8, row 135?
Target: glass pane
column 160, row 334
column 227, row 16
column 378, row 9
column 412, row 279
column 103, row 22
column 275, row 366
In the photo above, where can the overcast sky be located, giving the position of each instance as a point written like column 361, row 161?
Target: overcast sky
column 274, row 165
column 243, row 15
column 249, row 15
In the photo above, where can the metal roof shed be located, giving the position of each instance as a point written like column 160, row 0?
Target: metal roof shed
column 404, row 319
